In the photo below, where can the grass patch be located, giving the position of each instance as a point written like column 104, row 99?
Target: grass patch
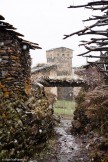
column 63, row 107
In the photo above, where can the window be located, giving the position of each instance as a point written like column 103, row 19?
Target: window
column 49, row 60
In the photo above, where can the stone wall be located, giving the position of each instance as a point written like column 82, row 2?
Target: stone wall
column 94, row 76
column 15, row 61
column 14, row 71
column 25, row 116
column 78, row 74
column 65, row 93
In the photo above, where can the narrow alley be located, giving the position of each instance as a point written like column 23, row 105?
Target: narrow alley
column 64, row 147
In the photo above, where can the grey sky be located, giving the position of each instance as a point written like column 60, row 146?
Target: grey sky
column 45, row 22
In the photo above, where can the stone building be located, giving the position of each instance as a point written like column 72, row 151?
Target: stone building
column 44, row 70
column 15, row 61
column 62, row 57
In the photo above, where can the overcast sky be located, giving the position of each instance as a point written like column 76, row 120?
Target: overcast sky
column 45, row 22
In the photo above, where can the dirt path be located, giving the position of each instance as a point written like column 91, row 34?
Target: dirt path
column 64, row 147
column 71, row 148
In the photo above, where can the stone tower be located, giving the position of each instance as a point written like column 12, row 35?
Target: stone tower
column 62, row 57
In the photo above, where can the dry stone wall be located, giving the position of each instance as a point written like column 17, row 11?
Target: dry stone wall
column 25, row 116
column 14, row 66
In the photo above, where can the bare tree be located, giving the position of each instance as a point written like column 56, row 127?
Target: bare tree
column 99, row 44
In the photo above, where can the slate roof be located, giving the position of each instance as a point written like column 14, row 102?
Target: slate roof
column 45, row 67
column 4, row 26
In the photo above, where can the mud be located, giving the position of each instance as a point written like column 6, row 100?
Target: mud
column 64, row 147
column 71, row 148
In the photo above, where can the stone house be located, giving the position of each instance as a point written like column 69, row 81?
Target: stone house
column 15, row 61
column 44, row 70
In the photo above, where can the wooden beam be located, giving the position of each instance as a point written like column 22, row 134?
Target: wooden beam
column 97, row 62
column 104, row 71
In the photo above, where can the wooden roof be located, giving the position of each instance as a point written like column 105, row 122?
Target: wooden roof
column 12, row 30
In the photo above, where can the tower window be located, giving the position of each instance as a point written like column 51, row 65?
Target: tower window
column 49, row 60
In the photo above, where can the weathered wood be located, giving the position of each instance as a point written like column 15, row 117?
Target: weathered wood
column 96, row 18
column 97, row 49
column 82, row 54
column 97, row 62
column 97, row 8
column 95, row 44
column 102, row 39
column 91, row 56
column 104, row 71
column 80, row 32
column 97, row 3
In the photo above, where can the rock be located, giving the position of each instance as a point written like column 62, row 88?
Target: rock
column 76, row 124
column 56, row 119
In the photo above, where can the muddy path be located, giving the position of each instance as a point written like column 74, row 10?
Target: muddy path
column 64, row 147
